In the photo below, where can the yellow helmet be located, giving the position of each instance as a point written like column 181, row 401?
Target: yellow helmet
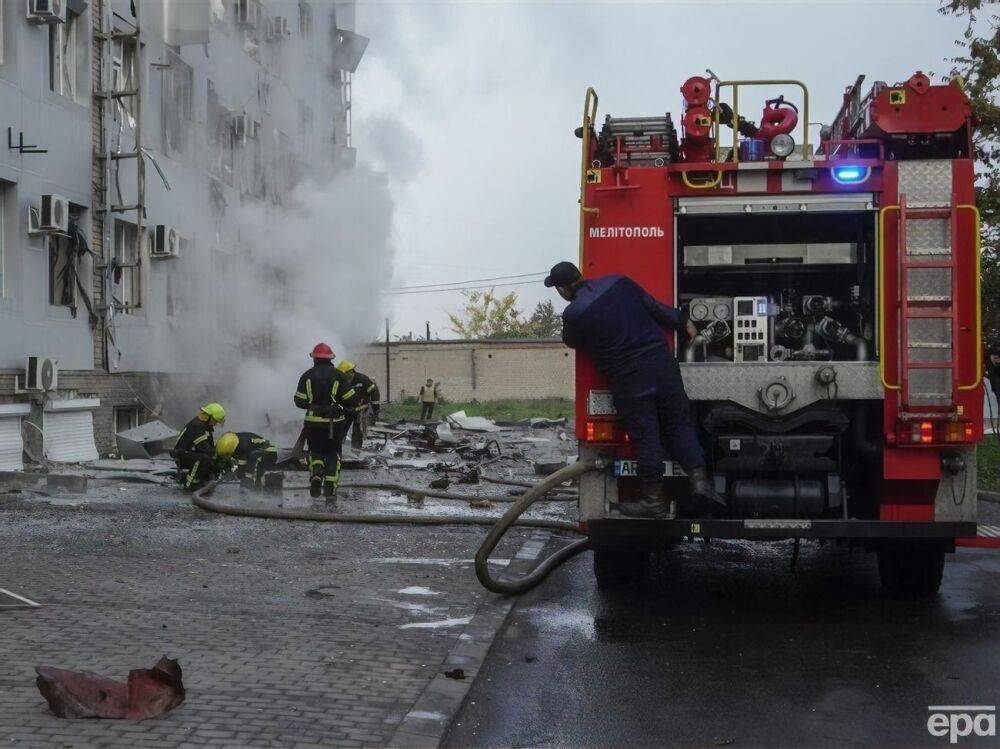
column 227, row 445
column 215, row 412
column 346, row 365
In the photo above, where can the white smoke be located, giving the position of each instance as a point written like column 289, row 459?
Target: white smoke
column 312, row 268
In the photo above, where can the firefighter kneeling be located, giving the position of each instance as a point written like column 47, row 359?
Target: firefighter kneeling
column 328, row 401
column 194, row 451
column 248, row 455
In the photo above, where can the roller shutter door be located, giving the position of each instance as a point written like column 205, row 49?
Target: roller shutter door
column 69, row 436
column 11, row 446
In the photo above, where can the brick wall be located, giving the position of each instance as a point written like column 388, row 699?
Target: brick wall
column 475, row 370
column 170, row 398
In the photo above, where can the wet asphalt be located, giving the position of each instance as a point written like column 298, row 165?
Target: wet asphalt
column 726, row 645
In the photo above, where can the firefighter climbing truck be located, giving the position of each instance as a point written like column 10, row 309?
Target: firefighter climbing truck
column 837, row 373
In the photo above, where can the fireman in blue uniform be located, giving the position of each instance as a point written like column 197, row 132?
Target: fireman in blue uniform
column 620, row 326
column 328, row 401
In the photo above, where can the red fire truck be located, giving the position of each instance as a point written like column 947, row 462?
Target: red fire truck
column 837, row 373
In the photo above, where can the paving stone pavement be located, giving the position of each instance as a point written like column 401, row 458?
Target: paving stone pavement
column 289, row 634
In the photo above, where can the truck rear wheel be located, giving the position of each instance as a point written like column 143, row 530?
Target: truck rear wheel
column 619, row 567
column 912, row 572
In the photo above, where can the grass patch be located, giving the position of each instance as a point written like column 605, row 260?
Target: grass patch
column 502, row 410
column 988, row 456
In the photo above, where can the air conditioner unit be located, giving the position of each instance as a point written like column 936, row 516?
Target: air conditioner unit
column 53, row 216
column 41, row 374
column 46, row 11
column 247, row 13
column 166, row 242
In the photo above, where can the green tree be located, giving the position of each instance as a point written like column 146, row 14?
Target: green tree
column 978, row 64
column 485, row 314
column 544, row 322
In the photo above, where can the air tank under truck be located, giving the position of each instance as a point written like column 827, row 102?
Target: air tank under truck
column 836, row 377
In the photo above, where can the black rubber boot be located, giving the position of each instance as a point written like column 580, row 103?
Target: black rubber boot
column 701, row 489
column 330, row 492
column 315, row 486
column 650, row 504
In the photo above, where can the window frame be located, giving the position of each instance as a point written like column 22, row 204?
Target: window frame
column 131, row 272
column 65, row 47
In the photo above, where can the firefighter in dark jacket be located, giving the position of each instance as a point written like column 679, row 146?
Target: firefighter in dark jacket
column 194, row 451
column 328, row 400
column 248, row 455
column 368, row 395
column 619, row 325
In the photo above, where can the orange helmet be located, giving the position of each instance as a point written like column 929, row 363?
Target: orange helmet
column 322, row 351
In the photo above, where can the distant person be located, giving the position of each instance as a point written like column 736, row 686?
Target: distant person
column 428, row 399
column 369, row 399
column 194, row 451
column 248, row 455
column 327, row 399
column 620, row 326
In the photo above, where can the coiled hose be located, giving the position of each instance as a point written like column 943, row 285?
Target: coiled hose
column 510, row 518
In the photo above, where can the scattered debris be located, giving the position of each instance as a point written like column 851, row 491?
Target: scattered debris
column 441, row 483
column 148, row 693
column 530, row 658
column 480, row 504
column 472, row 423
column 438, row 624
column 146, row 441
column 456, row 673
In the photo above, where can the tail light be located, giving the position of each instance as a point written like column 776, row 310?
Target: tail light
column 605, row 431
column 600, row 431
column 929, row 433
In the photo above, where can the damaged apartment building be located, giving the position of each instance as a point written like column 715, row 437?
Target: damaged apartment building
column 138, row 132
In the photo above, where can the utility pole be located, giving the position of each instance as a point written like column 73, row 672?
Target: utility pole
column 428, row 324
column 388, row 381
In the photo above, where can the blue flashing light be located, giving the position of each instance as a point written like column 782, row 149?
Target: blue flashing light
column 850, row 175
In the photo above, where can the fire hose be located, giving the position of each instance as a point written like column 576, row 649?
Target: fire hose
column 511, row 518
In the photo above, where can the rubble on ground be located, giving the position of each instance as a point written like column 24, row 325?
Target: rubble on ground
column 148, row 692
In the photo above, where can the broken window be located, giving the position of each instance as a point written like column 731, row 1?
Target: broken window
column 126, row 417
column 124, row 75
column 127, row 267
column 252, row 162
column 65, row 253
column 220, row 137
column 68, row 57
column 305, row 20
column 177, row 104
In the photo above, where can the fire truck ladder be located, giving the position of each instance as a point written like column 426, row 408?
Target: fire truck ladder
column 926, row 306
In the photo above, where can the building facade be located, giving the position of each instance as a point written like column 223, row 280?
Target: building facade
column 483, row 370
column 165, row 136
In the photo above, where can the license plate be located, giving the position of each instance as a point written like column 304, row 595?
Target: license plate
column 630, row 469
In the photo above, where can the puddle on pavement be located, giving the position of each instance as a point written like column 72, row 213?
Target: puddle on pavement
column 440, row 624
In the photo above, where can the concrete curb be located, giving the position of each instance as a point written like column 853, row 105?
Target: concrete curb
column 426, row 723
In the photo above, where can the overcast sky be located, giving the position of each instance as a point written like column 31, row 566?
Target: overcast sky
column 470, row 108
